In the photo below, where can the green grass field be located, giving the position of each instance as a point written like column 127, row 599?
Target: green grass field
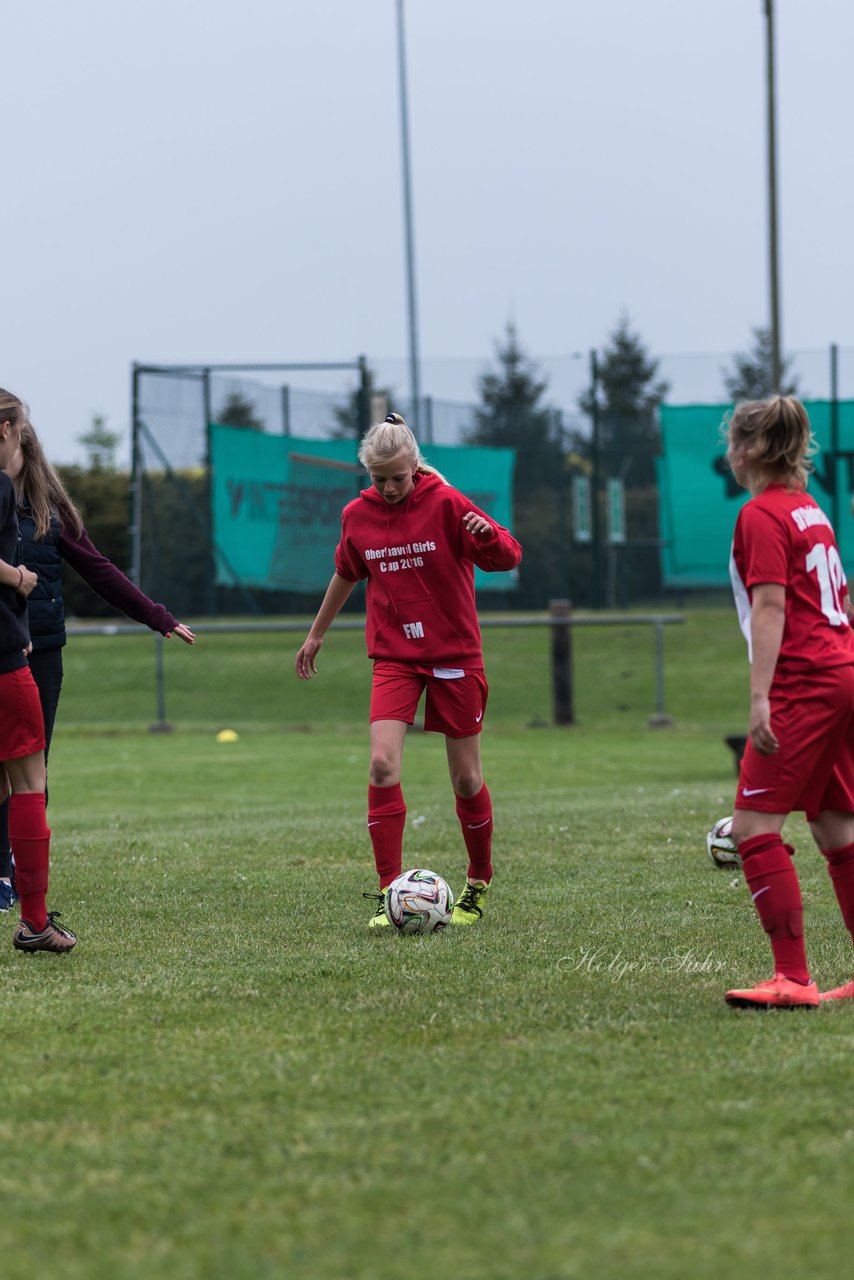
column 230, row 1077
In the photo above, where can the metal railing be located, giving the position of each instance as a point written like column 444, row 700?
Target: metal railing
column 560, row 622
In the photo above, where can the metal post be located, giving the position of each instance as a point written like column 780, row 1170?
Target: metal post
column 286, row 410
column 774, row 277
column 206, row 410
column 562, row 507
column 428, row 420
column 560, row 612
column 661, row 720
column 596, row 481
column 135, row 573
column 834, row 436
column 414, row 372
column 363, row 409
column 161, row 725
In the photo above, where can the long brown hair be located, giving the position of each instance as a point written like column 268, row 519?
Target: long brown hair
column 776, row 437
column 37, row 485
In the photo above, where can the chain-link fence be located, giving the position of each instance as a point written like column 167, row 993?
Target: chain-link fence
column 609, row 557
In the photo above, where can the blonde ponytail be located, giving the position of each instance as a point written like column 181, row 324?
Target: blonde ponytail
column 393, row 439
column 776, row 437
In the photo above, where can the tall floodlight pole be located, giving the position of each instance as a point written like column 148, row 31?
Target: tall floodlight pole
column 414, row 372
column 773, row 266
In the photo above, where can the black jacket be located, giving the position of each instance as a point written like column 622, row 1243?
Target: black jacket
column 45, row 606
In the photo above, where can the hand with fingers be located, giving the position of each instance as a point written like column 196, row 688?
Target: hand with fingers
column 305, row 665
column 478, row 526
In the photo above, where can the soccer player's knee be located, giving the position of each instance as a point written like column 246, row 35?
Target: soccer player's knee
column 382, row 769
column 467, row 783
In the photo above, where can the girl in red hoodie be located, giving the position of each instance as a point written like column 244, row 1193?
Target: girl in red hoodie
column 416, row 540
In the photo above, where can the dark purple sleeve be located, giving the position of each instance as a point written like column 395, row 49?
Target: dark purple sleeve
column 111, row 584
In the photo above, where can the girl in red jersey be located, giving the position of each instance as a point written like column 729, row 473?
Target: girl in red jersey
column 22, row 737
column 416, row 540
column 791, row 596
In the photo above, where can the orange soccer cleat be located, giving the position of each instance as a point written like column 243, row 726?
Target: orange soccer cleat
column 778, row 992
column 839, row 993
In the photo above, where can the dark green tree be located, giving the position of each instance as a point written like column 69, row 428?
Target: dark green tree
column 237, row 411
column 628, row 394
column 100, row 444
column 751, row 378
column 513, row 414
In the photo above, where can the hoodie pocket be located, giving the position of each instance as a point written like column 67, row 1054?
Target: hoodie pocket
column 418, row 628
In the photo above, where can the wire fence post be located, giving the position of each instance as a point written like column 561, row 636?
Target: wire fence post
column 161, row 724
column 560, row 612
column 661, row 720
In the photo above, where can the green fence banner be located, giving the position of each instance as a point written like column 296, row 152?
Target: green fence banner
column 277, row 503
column 699, row 500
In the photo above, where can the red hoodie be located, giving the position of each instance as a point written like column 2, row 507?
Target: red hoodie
column 419, row 561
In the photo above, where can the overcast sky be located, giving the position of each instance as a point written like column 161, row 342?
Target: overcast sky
column 220, row 180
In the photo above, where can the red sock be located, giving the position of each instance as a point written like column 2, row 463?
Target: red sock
column 840, row 864
column 475, row 815
column 386, row 820
column 776, row 894
column 29, row 836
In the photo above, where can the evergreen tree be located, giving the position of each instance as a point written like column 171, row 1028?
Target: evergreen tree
column 512, row 416
column 751, row 377
column 628, row 396
column 237, row 411
column 100, row 445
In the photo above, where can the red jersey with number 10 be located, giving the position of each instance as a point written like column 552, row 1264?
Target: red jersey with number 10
column 782, row 536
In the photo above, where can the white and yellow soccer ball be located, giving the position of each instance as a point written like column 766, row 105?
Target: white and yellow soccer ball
column 720, row 846
column 419, row 901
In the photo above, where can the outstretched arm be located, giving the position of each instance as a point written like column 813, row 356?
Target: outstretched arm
column 337, row 594
column 117, row 589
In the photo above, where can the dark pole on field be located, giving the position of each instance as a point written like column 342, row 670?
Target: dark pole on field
column 428, row 420
column 135, row 573
column 773, row 264
column 560, row 612
column 161, row 724
column 363, row 409
column 834, row 435
column 563, row 507
column 596, row 506
column 286, row 409
column 206, row 410
column 414, row 371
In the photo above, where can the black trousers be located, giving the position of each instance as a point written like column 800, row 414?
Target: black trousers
column 46, row 666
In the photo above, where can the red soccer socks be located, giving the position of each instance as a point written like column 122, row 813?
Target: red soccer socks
column 475, row 815
column 386, row 820
column 776, row 894
column 29, row 836
column 840, row 864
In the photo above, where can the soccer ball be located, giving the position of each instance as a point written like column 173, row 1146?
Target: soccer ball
column 419, row 901
column 721, row 846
